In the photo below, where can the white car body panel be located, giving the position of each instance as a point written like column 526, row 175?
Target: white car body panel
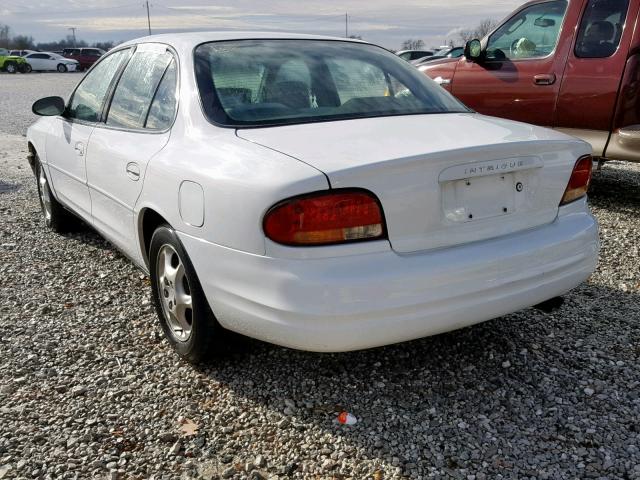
column 436, row 272
column 403, row 170
column 111, row 163
column 361, row 301
column 66, row 149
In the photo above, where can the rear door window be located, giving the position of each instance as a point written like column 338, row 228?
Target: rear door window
column 163, row 106
column 136, row 88
column 601, row 28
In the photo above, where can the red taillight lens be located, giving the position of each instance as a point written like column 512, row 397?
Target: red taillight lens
column 579, row 181
column 325, row 218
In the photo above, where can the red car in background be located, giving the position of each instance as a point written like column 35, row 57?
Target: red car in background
column 85, row 56
column 573, row 65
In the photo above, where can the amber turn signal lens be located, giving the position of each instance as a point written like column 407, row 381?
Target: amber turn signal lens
column 325, row 218
column 579, row 181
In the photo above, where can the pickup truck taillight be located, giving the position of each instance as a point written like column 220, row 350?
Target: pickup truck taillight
column 579, row 181
column 325, row 218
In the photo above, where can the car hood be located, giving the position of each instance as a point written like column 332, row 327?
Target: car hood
column 339, row 145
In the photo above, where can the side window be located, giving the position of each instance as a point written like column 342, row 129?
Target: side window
column 136, row 87
column 601, row 28
column 291, row 86
column 88, row 99
column 357, row 79
column 163, row 107
column 531, row 33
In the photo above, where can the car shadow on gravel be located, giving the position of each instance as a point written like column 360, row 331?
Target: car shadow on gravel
column 615, row 186
column 501, row 392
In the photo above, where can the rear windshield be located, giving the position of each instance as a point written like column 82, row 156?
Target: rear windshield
column 273, row 82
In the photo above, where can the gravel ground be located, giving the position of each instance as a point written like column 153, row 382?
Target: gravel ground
column 89, row 389
column 19, row 91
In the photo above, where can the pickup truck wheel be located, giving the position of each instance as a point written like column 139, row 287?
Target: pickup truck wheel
column 56, row 217
column 184, row 313
column 62, row 68
column 10, row 67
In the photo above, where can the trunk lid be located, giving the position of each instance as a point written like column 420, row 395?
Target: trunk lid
column 443, row 179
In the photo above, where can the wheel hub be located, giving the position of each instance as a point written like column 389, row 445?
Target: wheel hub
column 175, row 293
column 44, row 194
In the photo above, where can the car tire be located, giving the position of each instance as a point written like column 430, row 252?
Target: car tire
column 56, row 217
column 10, row 67
column 182, row 307
column 62, row 68
column 27, row 68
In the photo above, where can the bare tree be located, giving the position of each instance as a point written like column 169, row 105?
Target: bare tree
column 5, row 32
column 22, row 42
column 412, row 44
column 483, row 29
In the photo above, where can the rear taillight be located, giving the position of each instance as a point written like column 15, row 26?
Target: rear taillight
column 326, row 218
column 579, row 181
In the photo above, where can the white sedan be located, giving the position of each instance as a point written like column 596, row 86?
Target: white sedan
column 312, row 192
column 46, row 61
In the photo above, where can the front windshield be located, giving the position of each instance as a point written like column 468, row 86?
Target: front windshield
column 271, row 82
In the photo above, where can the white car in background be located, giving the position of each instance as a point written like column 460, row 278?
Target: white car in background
column 312, row 192
column 47, row 61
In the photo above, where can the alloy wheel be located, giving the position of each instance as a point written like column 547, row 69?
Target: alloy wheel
column 45, row 196
column 175, row 293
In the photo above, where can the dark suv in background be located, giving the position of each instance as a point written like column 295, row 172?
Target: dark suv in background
column 85, row 56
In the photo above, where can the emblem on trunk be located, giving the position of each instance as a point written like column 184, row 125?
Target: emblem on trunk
column 492, row 167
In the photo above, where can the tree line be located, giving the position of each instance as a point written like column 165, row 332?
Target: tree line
column 27, row 42
column 463, row 36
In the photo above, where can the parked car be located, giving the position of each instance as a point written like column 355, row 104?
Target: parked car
column 409, row 55
column 570, row 65
column 86, row 57
column 295, row 197
column 449, row 52
column 48, row 61
column 12, row 63
column 21, row 53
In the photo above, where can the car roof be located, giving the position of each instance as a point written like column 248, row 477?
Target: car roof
column 191, row 39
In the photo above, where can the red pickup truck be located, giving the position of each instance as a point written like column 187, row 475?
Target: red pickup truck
column 573, row 65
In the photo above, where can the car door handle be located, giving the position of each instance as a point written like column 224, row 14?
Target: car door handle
column 545, row 79
column 442, row 81
column 133, row 171
column 79, row 148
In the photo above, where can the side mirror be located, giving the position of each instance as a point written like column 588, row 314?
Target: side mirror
column 48, row 106
column 473, row 50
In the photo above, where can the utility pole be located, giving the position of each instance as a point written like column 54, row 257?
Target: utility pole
column 73, row 31
column 346, row 25
column 148, row 17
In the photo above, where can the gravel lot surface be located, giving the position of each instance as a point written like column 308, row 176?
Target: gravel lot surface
column 89, row 389
column 19, row 91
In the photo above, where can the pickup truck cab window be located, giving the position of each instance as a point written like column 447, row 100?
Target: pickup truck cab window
column 533, row 33
column 601, row 28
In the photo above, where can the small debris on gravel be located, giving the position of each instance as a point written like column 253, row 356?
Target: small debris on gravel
column 89, row 389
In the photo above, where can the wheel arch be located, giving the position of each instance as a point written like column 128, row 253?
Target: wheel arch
column 31, row 156
column 148, row 221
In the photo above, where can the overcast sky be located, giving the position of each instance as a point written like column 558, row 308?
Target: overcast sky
column 384, row 22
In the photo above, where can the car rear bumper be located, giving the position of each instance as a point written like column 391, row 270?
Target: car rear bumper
column 361, row 301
